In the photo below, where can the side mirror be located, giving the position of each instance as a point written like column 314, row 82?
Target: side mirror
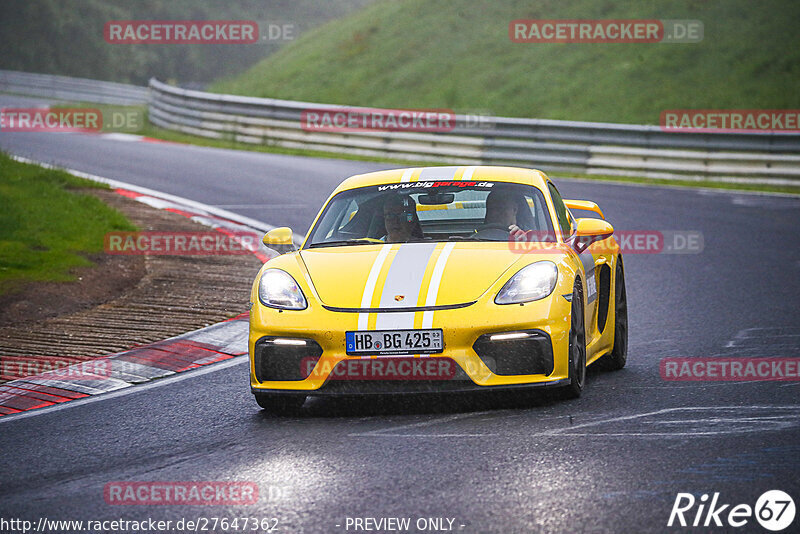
column 280, row 240
column 588, row 231
column 278, row 236
column 593, row 228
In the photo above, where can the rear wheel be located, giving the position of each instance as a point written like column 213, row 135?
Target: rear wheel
column 616, row 359
column 577, row 346
column 280, row 403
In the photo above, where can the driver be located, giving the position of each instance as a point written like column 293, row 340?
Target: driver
column 501, row 212
column 401, row 220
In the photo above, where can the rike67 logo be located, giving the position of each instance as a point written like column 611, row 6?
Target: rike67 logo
column 774, row 510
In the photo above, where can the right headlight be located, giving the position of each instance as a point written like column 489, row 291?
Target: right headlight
column 532, row 282
column 277, row 289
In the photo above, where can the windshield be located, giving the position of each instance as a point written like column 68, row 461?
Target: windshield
column 427, row 211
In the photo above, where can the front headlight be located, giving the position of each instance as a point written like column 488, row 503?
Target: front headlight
column 532, row 282
column 277, row 289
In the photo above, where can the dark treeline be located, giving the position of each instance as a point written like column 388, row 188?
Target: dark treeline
column 66, row 36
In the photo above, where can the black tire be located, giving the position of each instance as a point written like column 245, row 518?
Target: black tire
column 280, row 403
column 577, row 346
column 616, row 359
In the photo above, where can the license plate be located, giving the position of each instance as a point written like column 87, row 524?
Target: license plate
column 394, row 342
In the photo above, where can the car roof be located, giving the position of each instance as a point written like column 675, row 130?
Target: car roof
column 478, row 173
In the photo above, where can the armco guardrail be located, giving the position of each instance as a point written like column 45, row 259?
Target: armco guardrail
column 594, row 148
column 71, row 89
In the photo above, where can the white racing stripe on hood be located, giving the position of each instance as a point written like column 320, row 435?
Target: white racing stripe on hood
column 369, row 288
column 467, row 176
column 437, row 174
column 404, row 278
column 433, row 288
column 408, row 269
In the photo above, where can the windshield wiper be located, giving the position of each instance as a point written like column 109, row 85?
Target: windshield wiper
column 343, row 242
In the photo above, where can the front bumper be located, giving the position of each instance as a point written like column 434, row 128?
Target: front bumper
column 479, row 362
column 411, row 387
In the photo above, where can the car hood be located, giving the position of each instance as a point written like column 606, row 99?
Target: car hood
column 406, row 275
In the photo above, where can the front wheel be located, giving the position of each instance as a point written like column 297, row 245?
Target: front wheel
column 577, row 346
column 280, row 403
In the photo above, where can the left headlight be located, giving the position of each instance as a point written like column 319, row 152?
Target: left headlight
column 277, row 289
column 533, row 282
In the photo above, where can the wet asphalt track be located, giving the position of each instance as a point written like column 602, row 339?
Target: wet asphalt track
column 612, row 461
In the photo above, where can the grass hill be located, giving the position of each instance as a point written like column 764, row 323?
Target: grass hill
column 457, row 54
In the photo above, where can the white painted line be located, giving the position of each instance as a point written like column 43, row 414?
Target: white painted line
column 446, row 419
column 569, row 431
column 670, row 410
column 702, row 384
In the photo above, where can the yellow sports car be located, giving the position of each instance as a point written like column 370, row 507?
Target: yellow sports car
column 438, row 279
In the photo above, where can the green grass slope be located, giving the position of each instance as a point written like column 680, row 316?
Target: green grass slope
column 47, row 226
column 457, row 54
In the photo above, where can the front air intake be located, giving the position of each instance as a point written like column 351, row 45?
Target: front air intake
column 524, row 352
column 279, row 358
